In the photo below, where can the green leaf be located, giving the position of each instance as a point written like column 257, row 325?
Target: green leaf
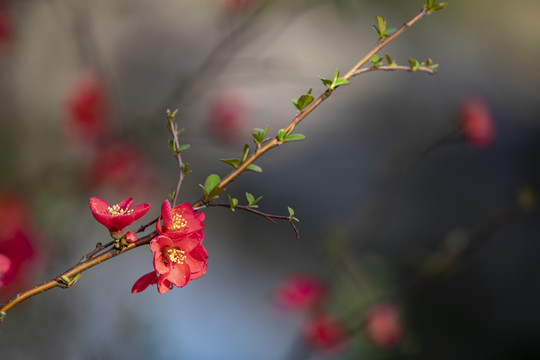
column 233, row 162
column 341, row 81
column 211, row 191
column 185, row 169
column 376, row 61
column 294, row 137
column 245, row 153
column 389, row 60
column 172, row 145
column 303, row 101
column 252, row 201
column 291, row 211
column 183, row 147
column 253, row 167
column 233, row 202
column 281, row 134
column 431, row 65
column 432, row 6
column 327, row 83
column 414, row 65
column 258, row 135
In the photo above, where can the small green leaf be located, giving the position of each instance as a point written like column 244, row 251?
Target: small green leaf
column 245, row 153
column 341, row 81
column 233, row 162
column 376, row 61
column 294, row 137
column 389, row 60
column 171, row 195
column 303, row 101
column 281, row 134
column 252, row 201
column 172, row 146
column 210, row 188
column 327, row 83
column 291, row 211
column 183, row 147
column 414, row 65
column 253, row 167
column 233, row 202
column 185, row 169
column 258, row 135
column 431, row 65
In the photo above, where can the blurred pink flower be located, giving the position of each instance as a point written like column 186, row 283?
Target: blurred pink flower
column 88, row 109
column 17, row 243
column 476, row 122
column 116, row 217
column 238, row 6
column 122, row 167
column 326, row 333
column 300, row 291
column 382, row 325
column 229, row 116
column 6, row 26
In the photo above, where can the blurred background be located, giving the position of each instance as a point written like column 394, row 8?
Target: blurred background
column 418, row 231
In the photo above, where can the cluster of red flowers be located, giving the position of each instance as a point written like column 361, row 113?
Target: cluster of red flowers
column 179, row 255
column 326, row 332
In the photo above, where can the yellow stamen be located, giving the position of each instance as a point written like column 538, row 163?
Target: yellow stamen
column 178, row 222
column 115, row 210
column 174, row 254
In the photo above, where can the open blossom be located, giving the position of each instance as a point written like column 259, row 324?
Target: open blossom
column 179, row 221
column 300, row 291
column 116, row 217
column 382, row 325
column 179, row 261
column 325, row 332
column 476, row 122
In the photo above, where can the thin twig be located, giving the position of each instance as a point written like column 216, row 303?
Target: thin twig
column 268, row 217
column 395, row 67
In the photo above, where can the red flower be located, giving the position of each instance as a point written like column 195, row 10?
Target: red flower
column 6, row 28
column 88, row 109
column 237, row 6
column 179, row 261
column 116, row 217
column 17, row 243
column 476, row 122
column 301, row 291
column 179, row 221
column 382, row 325
column 229, row 116
column 120, row 166
column 326, row 333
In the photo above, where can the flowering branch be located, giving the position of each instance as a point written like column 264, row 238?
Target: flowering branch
column 278, row 140
column 180, row 236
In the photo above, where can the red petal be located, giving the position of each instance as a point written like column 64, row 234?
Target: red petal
column 143, row 282
column 179, row 274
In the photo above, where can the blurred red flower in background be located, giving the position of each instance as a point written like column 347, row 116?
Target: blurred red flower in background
column 6, row 26
column 326, row 333
column 88, row 109
column 121, row 167
column 476, row 122
column 229, row 116
column 17, row 243
column 238, row 6
column 382, row 325
column 300, row 291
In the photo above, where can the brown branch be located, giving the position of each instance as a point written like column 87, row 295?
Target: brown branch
column 74, row 271
column 395, row 67
column 268, row 217
column 309, row 109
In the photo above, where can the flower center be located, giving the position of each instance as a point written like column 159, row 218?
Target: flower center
column 178, row 222
column 174, row 254
column 116, row 210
